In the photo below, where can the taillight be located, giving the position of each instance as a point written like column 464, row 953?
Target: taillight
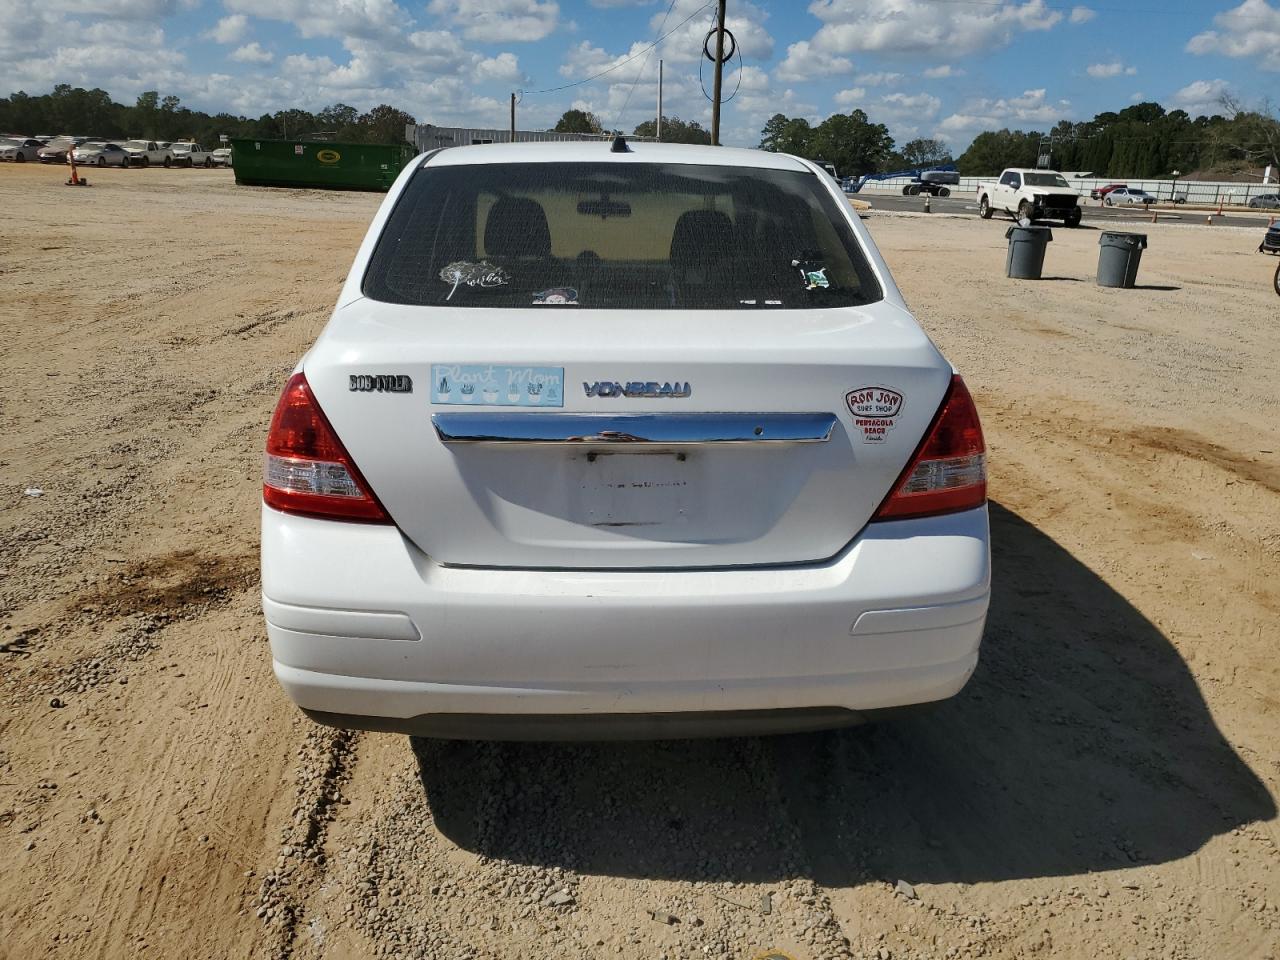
column 307, row 470
column 949, row 469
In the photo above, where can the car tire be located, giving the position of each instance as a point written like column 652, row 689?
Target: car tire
column 168, row 162
column 102, row 161
column 146, row 162
column 1025, row 209
column 944, row 191
column 1072, row 218
column 1108, row 202
column 984, row 208
column 21, row 157
column 208, row 163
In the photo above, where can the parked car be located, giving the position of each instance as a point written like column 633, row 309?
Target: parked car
column 1030, row 195
column 222, row 157
column 19, row 149
column 1097, row 193
column 143, row 153
column 1267, row 201
column 188, row 154
column 55, row 151
column 101, row 154
column 1127, row 196
column 1271, row 240
column 732, row 529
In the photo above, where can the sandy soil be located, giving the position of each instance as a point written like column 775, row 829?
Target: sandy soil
column 1105, row 787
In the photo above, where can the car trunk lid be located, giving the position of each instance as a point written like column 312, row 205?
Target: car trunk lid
column 616, row 439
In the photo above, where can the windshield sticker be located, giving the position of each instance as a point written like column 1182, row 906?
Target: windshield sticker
column 560, row 296
column 497, row 385
column 473, row 274
column 875, row 411
column 813, row 275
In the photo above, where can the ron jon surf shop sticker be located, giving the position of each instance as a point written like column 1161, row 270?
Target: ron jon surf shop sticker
column 875, row 411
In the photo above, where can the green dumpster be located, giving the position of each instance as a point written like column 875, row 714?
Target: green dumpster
column 306, row 163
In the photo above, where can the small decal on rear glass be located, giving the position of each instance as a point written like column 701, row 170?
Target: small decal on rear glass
column 471, row 273
column 560, row 296
column 812, row 273
column 875, row 411
column 497, row 385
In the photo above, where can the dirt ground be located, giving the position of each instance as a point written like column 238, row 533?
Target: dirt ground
column 1105, row 787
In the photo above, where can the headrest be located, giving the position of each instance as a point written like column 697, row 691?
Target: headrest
column 701, row 236
column 517, row 227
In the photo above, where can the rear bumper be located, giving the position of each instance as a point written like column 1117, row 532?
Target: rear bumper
column 367, row 631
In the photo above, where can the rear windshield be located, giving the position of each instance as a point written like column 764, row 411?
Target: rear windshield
column 645, row 236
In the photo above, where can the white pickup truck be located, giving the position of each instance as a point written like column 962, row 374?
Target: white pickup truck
column 189, row 154
column 143, row 153
column 1030, row 195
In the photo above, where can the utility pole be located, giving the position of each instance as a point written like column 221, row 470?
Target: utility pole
column 715, row 102
column 657, row 130
column 513, row 116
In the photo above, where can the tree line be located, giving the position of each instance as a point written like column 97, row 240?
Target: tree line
column 674, row 130
column 1142, row 140
column 79, row 112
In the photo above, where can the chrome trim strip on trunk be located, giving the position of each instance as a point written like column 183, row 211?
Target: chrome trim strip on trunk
column 652, row 429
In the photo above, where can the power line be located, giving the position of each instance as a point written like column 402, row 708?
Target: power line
column 639, row 73
column 623, row 63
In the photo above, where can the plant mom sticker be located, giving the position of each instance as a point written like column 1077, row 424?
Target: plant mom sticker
column 875, row 411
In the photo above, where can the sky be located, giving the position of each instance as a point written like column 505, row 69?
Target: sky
column 926, row 68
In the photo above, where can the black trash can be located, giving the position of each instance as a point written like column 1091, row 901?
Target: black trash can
column 1119, row 257
column 1025, row 259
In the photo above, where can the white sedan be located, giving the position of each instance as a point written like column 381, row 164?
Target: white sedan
column 1128, row 196
column 19, row 149
column 100, row 154
column 645, row 444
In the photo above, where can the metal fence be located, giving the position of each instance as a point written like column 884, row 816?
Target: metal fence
column 1191, row 191
column 427, row 136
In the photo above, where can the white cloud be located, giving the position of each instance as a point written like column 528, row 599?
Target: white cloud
column 1137, row 96
column 853, row 97
column 1105, row 71
column 40, row 47
column 917, row 26
column 943, row 71
column 498, row 21
column 230, row 29
column 904, row 107
column 1031, row 109
column 1249, row 30
column 335, row 18
column 1082, row 15
column 1202, row 96
column 504, row 68
column 627, row 94
column 117, row 9
column 878, row 79
column 803, row 63
column 744, row 18
column 251, row 53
